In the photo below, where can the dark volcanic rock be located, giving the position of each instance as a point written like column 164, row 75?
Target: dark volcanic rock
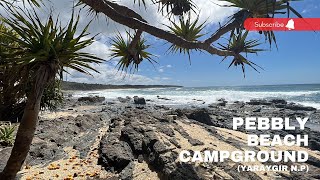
column 41, row 149
column 280, row 105
column 296, row 107
column 175, row 142
column 278, row 101
column 165, row 163
column 184, row 171
column 259, row 102
column 150, row 138
column 139, row 100
column 200, row 115
column 53, row 135
column 159, row 148
column 117, row 155
column 166, row 130
column 133, row 137
column 314, row 161
column 195, row 142
column 123, row 100
column 127, row 172
column 92, row 99
column 222, row 102
column 314, row 145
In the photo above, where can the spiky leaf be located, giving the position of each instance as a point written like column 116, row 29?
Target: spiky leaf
column 130, row 59
column 238, row 44
column 188, row 30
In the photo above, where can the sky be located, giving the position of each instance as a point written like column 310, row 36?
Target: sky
column 296, row 61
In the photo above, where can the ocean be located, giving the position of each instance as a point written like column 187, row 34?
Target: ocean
column 305, row 94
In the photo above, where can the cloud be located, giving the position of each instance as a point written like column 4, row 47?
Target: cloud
column 161, row 70
column 169, row 66
column 109, row 75
column 166, row 78
column 212, row 13
column 163, row 79
column 99, row 49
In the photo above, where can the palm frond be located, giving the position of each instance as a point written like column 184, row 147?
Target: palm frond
column 176, row 7
column 238, row 44
column 130, row 59
column 49, row 43
column 188, row 30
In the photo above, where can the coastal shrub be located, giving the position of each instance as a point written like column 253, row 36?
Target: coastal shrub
column 7, row 134
column 52, row 96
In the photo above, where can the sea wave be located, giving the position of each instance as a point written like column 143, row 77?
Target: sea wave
column 196, row 96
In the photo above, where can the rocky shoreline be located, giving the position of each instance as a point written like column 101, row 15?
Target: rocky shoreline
column 131, row 138
column 74, row 86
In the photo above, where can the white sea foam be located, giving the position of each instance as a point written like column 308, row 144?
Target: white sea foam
column 187, row 96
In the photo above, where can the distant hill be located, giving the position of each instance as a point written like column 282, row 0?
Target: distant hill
column 87, row 87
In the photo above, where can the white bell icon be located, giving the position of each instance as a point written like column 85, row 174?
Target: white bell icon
column 290, row 24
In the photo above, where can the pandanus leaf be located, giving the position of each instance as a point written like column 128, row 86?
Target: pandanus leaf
column 130, row 59
column 238, row 44
column 188, row 30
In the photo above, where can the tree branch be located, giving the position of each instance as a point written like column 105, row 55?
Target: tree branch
column 133, row 23
column 135, row 39
column 221, row 31
column 124, row 10
column 133, row 44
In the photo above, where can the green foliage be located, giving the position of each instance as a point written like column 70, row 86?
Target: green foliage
column 238, row 44
column 176, row 7
column 11, row 90
column 7, row 134
column 130, row 59
column 260, row 9
column 188, row 30
column 49, row 45
column 36, row 45
column 52, row 96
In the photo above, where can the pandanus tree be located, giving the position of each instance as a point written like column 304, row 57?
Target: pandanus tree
column 12, row 82
column 45, row 50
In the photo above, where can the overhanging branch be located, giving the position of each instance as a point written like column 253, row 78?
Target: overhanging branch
column 221, row 31
column 125, row 11
column 134, row 23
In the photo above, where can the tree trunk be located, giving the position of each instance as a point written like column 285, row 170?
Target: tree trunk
column 25, row 134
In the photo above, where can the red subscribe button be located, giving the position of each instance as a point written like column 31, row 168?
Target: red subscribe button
column 282, row 24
